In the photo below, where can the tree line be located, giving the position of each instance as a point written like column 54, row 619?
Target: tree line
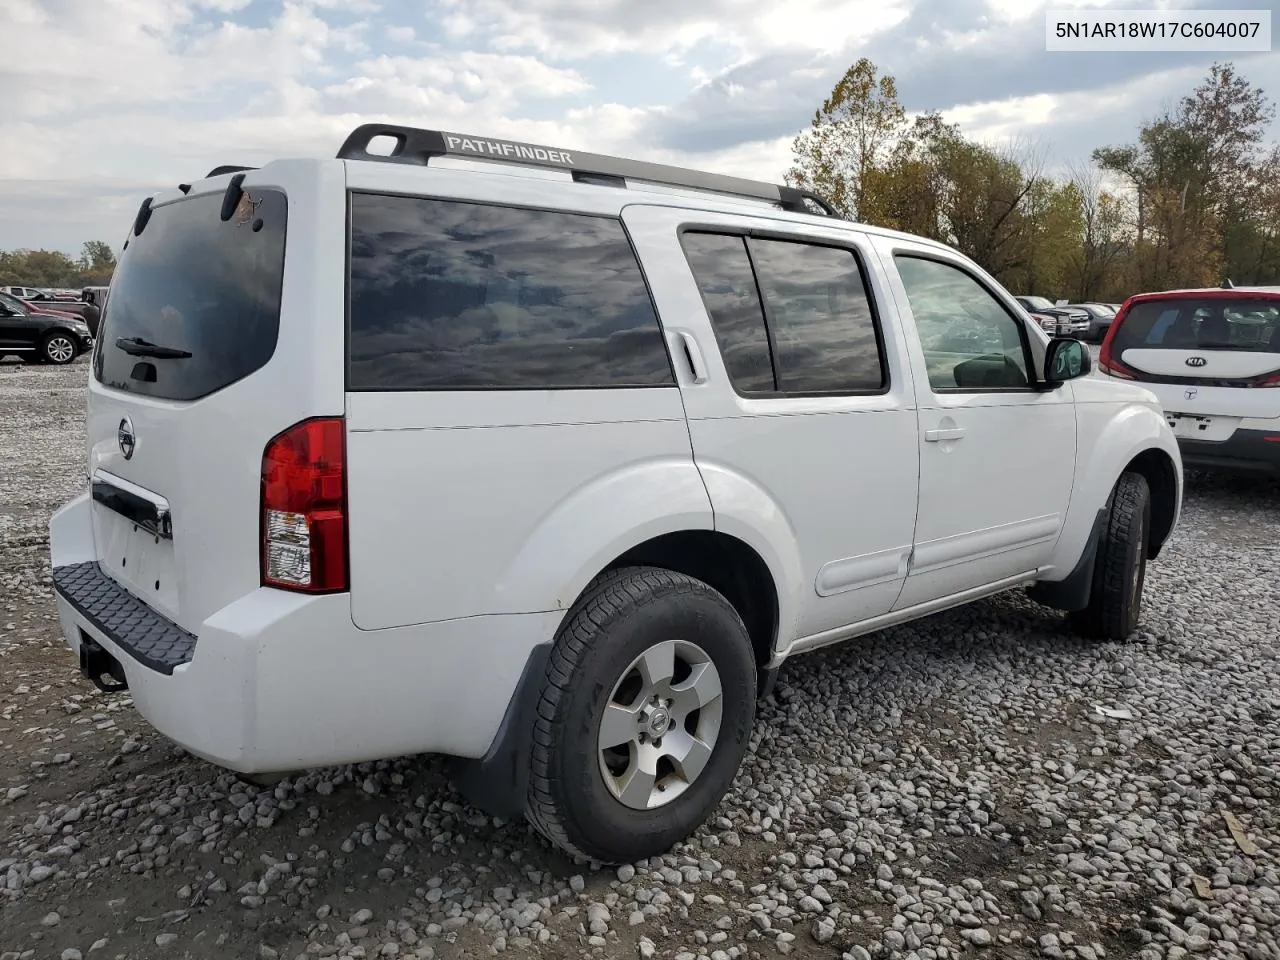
column 53, row 268
column 1192, row 201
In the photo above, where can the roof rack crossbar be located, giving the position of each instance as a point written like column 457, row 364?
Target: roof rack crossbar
column 414, row 146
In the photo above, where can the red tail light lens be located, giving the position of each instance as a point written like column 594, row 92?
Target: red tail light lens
column 1107, row 363
column 304, row 508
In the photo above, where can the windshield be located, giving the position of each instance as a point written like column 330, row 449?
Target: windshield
column 204, row 290
column 14, row 304
column 1202, row 324
column 1035, row 303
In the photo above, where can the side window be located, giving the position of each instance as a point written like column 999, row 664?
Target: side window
column 722, row 269
column 814, row 332
column 970, row 341
column 454, row 295
column 823, row 330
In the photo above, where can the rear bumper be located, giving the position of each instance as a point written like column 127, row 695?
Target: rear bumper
column 277, row 681
column 1254, row 451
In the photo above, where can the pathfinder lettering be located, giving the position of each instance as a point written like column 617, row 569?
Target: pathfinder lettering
column 502, row 148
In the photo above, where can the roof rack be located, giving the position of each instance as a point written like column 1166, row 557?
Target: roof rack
column 415, row 146
column 226, row 168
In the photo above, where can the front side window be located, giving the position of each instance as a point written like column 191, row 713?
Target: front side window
column 970, row 341
column 455, row 295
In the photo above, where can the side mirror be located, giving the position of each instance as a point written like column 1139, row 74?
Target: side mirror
column 1066, row 359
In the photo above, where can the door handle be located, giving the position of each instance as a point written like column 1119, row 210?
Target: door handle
column 693, row 357
column 943, row 433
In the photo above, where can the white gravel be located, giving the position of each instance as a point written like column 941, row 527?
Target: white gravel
column 941, row 790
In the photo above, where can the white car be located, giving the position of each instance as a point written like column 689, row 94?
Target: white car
column 1212, row 356
column 547, row 461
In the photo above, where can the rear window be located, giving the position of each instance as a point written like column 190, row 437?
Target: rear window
column 200, row 285
column 448, row 295
column 1201, row 324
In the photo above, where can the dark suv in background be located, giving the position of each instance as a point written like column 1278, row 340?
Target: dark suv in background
column 36, row 335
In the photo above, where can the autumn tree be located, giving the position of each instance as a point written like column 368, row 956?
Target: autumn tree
column 849, row 137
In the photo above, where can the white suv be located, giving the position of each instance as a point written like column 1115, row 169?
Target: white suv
column 547, row 461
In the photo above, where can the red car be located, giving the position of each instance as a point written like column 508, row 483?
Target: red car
column 43, row 311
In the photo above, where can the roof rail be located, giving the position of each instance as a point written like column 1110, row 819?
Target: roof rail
column 415, row 146
column 226, row 168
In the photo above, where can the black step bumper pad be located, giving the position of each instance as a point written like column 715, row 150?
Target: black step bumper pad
column 123, row 618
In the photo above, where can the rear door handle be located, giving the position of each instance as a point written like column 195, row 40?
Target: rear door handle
column 943, row 433
column 693, row 357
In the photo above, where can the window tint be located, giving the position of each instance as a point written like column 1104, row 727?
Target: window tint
column 446, row 294
column 196, row 283
column 1193, row 324
column 823, row 330
column 723, row 271
column 970, row 342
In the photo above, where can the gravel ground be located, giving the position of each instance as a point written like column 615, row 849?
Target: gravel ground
column 943, row 790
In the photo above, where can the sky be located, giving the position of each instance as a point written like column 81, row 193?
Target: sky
column 102, row 102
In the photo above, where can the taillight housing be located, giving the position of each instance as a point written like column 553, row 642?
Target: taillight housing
column 304, row 508
column 1107, row 363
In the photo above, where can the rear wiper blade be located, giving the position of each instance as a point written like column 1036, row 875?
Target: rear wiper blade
column 138, row 347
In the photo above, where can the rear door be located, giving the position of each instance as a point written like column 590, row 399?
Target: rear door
column 1205, row 357
column 802, row 391
column 219, row 335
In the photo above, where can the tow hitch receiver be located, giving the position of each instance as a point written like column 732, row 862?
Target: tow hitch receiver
column 94, row 662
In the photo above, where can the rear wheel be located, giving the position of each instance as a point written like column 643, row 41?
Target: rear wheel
column 1120, row 568
column 644, row 718
column 57, row 348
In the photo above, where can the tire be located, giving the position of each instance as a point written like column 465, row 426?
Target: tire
column 612, row 650
column 1120, row 568
column 57, row 348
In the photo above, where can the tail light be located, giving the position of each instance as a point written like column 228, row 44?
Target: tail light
column 1107, row 362
column 304, row 508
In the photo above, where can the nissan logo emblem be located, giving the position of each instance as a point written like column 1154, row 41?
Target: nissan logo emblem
column 1196, row 361
column 125, row 438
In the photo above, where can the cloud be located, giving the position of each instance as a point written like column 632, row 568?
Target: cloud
column 151, row 92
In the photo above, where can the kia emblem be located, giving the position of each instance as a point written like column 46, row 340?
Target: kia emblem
column 1196, row 361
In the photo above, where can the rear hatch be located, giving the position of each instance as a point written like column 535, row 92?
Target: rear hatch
column 189, row 383
column 1213, row 356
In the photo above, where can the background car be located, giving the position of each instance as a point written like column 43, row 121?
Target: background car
column 39, row 335
column 1100, row 317
column 1071, row 321
column 1212, row 357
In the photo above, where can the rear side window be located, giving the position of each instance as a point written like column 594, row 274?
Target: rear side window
column 195, row 284
column 456, row 295
column 1201, row 324
column 722, row 268
column 790, row 317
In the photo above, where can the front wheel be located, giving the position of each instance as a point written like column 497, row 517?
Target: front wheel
column 1120, row 568
column 58, row 348
column 644, row 718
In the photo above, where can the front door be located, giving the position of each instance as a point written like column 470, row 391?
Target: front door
column 997, row 455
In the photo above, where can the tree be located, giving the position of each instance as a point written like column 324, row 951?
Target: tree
column 52, row 268
column 848, row 138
